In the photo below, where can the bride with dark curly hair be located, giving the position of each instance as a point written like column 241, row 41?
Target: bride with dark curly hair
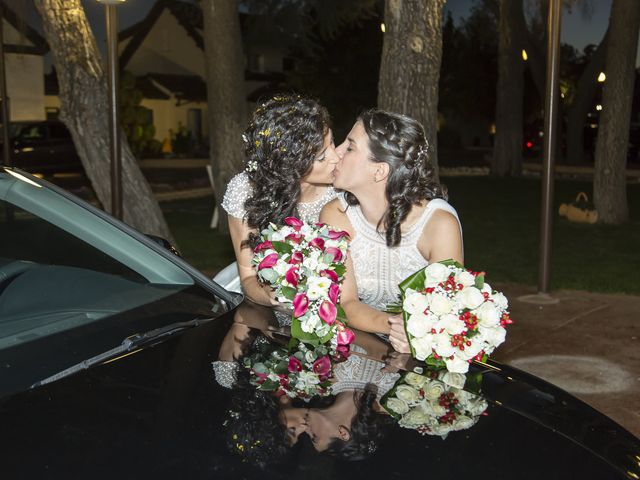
column 290, row 157
column 396, row 214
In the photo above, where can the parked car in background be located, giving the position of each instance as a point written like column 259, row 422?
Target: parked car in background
column 106, row 347
column 43, row 147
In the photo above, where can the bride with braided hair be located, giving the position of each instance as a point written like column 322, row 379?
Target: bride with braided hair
column 290, row 157
column 395, row 213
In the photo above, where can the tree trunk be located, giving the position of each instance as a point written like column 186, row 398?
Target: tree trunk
column 225, row 92
column 84, row 109
column 507, row 149
column 577, row 112
column 410, row 65
column 610, row 187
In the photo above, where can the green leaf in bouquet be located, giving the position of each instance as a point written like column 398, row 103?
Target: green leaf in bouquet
column 282, row 247
column 269, row 275
column 394, row 307
column 414, row 281
column 297, row 332
column 341, row 315
column 293, row 343
column 288, row 292
column 340, row 269
column 450, row 262
column 269, row 385
column 260, row 368
column 281, row 368
column 473, row 382
column 435, row 362
column 479, row 283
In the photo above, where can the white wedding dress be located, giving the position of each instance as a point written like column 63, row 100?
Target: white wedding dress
column 378, row 268
column 238, row 191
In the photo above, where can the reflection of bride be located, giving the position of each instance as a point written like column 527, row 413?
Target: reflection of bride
column 348, row 425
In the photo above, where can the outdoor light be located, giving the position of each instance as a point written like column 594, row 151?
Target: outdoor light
column 602, row 77
column 599, row 108
column 111, row 2
column 525, row 57
column 382, row 27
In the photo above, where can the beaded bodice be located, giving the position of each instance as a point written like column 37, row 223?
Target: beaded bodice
column 379, row 268
column 239, row 189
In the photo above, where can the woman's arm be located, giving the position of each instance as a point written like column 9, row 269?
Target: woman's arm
column 253, row 289
column 360, row 315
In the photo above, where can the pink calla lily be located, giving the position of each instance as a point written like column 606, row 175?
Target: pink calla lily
column 295, row 237
column 300, row 304
column 322, row 366
column 342, row 352
column 294, row 222
column 345, row 337
column 292, row 276
column 295, row 365
column 334, row 292
column 268, row 261
column 330, row 274
column 328, row 312
column 263, row 246
column 318, row 243
column 296, row 257
column 337, row 254
column 335, row 234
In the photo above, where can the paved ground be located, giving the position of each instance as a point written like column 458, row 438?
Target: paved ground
column 587, row 344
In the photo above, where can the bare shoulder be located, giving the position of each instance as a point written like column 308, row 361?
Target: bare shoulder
column 333, row 214
column 443, row 222
column 441, row 238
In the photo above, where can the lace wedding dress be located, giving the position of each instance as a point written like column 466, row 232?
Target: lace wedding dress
column 378, row 268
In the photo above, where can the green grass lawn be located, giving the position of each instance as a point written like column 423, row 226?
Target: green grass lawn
column 501, row 221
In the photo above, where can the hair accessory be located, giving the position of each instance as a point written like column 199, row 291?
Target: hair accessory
column 252, row 166
column 371, row 446
column 423, row 150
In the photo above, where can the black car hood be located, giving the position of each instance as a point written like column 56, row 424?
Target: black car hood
column 159, row 413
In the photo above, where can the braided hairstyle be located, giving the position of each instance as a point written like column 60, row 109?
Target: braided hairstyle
column 400, row 142
column 284, row 136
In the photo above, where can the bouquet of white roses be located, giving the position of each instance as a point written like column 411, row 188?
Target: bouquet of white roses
column 433, row 404
column 302, row 371
column 452, row 316
column 305, row 264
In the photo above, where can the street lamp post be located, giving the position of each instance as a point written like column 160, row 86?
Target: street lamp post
column 114, row 105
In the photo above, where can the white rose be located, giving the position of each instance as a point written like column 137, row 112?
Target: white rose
column 408, row 393
column 442, row 345
column 435, row 273
column 463, row 422
column 414, row 302
column 455, row 380
column 476, row 406
column 414, row 418
column 486, row 288
column 420, row 324
column 465, row 278
column 451, row 324
column 322, row 329
column 311, row 260
column 306, row 230
column 470, row 351
column 500, row 300
column 433, row 390
column 397, row 405
column 434, row 410
column 457, row 365
column 309, row 324
column 494, row 336
column 415, row 380
column 439, row 304
column 281, row 267
column 470, row 297
column 488, row 315
column 423, row 346
column 441, row 429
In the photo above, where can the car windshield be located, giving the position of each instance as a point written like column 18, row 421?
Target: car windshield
column 62, row 266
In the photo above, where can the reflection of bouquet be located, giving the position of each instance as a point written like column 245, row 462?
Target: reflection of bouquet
column 433, row 406
column 452, row 316
column 301, row 372
column 304, row 264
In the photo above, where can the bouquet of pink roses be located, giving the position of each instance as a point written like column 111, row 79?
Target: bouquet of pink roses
column 305, row 264
column 452, row 316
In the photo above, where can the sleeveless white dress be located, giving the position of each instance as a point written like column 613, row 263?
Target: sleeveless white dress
column 378, row 268
column 238, row 191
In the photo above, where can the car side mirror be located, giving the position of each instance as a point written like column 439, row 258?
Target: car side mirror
column 163, row 242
